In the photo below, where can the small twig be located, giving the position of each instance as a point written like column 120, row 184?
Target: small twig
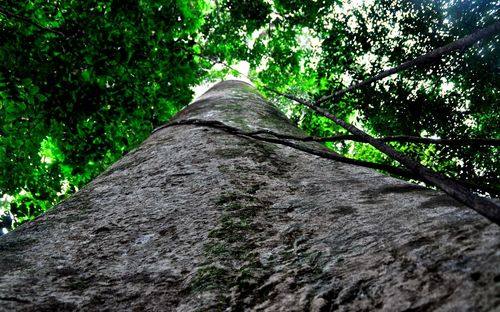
column 216, row 60
column 29, row 21
column 459, row 44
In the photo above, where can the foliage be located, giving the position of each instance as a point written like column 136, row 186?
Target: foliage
column 455, row 97
column 72, row 104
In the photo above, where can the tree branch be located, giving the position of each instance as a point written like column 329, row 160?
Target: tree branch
column 255, row 135
column 459, row 44
column 395, row 138
column 29, row 21
column 281, row 139
column 456, row 189
column 483, row 206
column 449, row 142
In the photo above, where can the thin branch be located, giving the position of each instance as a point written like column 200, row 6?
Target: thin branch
column 449, row 142
column 485, row 207
column 29, row 21
column 216, row 60
column 321, row 153
column 395, row 138
column 281, row 139
column 459, row 44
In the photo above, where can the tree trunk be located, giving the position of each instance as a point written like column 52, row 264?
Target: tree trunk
column 200, row 219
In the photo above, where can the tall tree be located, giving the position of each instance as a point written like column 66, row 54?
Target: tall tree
column 197, row 218
column 83, row 83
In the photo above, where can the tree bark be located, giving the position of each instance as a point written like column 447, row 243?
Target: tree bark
column 200, row 219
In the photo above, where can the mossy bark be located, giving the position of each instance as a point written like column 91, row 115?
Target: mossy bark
column 199, row 219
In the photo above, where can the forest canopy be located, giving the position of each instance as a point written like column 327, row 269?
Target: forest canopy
column 84, row 82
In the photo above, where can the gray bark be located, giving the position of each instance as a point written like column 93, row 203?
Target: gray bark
column 199, row 219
